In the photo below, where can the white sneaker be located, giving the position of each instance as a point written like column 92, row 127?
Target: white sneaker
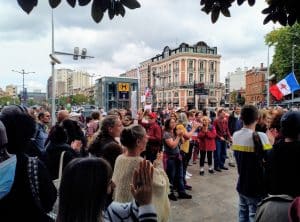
column 187, row 177
column 189, row 174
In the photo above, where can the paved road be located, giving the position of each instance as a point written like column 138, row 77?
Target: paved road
column 214, row 198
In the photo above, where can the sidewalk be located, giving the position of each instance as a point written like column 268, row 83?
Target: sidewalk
column 214, row 197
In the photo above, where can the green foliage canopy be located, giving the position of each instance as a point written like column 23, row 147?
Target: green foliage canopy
column 283, row 40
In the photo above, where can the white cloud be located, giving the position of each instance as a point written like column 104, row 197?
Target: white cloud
column 120, row 44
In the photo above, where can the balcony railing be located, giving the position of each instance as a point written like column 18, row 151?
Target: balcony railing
column 207, row 85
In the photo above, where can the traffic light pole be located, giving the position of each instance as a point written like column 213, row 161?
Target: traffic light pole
column 54, row 61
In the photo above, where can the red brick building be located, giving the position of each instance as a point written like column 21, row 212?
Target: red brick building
column 256, row 85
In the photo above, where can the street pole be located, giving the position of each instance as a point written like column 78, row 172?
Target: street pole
column 23, row 73
column 293, row 69
column 268, row 74
column 53, row 118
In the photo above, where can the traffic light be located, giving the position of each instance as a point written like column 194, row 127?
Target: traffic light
column 76, row 53
column 83, row 53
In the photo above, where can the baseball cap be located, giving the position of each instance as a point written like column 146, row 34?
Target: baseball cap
column 152, row 115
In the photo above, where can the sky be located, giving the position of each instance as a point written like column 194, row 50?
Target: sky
column 122, row 43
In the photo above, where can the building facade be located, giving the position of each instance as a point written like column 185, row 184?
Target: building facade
column 256, row 85
column 116, row 92
column 11, row 90
column 237, row 79
column 174, row 75
column 69, row 82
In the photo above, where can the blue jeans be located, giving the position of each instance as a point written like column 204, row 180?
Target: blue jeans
column 220, row 153
column 247, row 208
column 175, row 174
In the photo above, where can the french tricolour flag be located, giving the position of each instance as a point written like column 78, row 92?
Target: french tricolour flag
column 285, row 87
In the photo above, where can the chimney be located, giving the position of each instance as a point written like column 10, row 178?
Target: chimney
column 261, row 65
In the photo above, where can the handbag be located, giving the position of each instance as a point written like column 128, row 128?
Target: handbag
column 56, row 183
column 61, row 161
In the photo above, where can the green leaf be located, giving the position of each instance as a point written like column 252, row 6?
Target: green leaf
column 251, row 2
column 72, row 3
column 120, row 10
column 225, row 12
column 97, row 13
column 104, row 4
column 54, row 3
column 131, row 4
column 27, row 5
column 215, row 14
column 83, row 2
column 268, row 18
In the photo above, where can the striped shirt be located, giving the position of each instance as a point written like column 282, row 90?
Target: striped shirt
column 130, row 212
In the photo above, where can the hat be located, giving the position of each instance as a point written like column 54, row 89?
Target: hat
column 3, row 137
column 152, row 115
column 290, row 124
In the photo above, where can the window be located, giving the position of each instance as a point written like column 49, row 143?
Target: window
column 212, row 93
column 190, row 64
column 201, row 65
column 170, row 79
column 170, row 68
column 212, row 66
column 211, row 78
column 191, row 93
column 176, row 78
column 191, row 78
column 175, row 94
column 201, row 77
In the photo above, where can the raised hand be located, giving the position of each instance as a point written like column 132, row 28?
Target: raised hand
column 141, row 187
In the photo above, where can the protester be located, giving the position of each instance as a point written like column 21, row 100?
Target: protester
column 58, row 144
column 154, row 133
column 111, row 127
column 250, row 158
column 41, row 134
column 284, row 161
column 207, row 144
column 173, row 160
column 135, row 139
column 222, row 139
column 92, row 125
column 27, row 192
column 86, row 184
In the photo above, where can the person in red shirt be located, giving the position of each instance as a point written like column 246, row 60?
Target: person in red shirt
column 223, row 137
column 154, row 133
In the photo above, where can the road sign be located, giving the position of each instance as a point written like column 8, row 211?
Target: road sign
column 200, row 89
column 123, row 87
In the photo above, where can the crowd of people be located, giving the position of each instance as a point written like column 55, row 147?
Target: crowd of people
column 117, row 168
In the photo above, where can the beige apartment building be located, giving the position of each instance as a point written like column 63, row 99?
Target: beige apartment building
column 11, row 90
column 70, row 82
column 173, row 76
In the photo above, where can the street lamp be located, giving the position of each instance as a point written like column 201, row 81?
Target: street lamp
column 54, row 61
column 22, row 72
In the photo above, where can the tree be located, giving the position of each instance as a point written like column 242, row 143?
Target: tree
column 282, row 11
column 283, row 39
column 233, row 97
column 79, row 99
column 8, row 100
